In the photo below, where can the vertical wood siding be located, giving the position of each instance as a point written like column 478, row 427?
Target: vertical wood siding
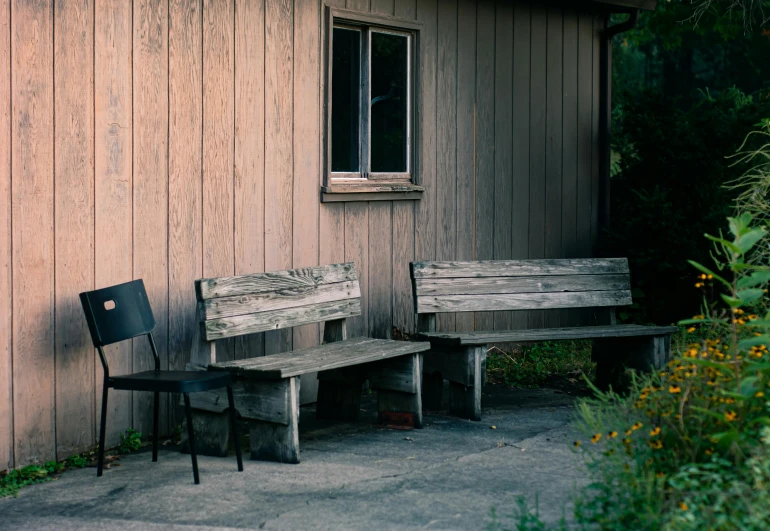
column 173, row 139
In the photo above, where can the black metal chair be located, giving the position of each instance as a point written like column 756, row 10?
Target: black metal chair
column 123, row 312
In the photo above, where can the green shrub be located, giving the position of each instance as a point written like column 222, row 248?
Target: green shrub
column 541, row 364
column 130, row 441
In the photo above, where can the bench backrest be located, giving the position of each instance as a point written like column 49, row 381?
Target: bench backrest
column 519, row 285
column 235, row 306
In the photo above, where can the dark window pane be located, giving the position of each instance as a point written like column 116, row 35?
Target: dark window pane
column 346, row 82
column 389, row 102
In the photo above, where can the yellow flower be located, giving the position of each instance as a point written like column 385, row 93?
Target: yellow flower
column 637, row 426
column 674, row 389
column 691, row 330
column 626, row 441
column 612, row 434
column 596, row 437
column 703, row 276
column 655, row 432
column 628, row 432
column 759, row 394
column 699, row 316
column 576, row 444
column 709, row 451
column 659, row 475
column 683, row 506
column 730, row 416
column 699, row 284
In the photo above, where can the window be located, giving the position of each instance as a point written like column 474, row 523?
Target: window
column 370, row 103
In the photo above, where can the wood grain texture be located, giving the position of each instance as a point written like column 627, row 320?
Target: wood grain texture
column 249, row 171
column 598, row 27
column 522, row 301
column 279, row 319
column 113, row 186
column 406, row 9
column 219, row 144
column 585, row 140
column 546, row 334
column 277, row 300
column 357, row 251
column 518, row 268
column 425, row 209
column 446, row 140
column 275, row 442
column 74, row 222
column 503, row 237
column 466, row 140
column 356, row 351
column 185, row 251
column 383, row 7
column 381, row 265
column 537, row 142
column 534, row 284
column 150, row 78
column 32, row 233
column 266, row 400
column 485, row 142
column 6, row 281
column 403, row 253
column 279, row 29
column 307, row 159
column 520, row 212
column 210, row 288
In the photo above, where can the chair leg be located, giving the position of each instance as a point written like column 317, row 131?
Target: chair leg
column 233, row 424
column 102, row 427
column 155, row 429
column 191, row 437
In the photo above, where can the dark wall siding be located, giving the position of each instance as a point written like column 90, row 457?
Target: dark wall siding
column 173, row 139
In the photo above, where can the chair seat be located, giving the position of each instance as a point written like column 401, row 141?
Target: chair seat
column 171, row 381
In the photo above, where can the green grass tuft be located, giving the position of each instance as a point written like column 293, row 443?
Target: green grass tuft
column 560, row 363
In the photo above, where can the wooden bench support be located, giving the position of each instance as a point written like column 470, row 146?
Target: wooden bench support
column 464, row 368
column 272, row 441
column 398, row 385
column 614, row 355
column 213, row 434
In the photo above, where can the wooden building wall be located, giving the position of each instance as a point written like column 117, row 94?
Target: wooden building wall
column 173, row 139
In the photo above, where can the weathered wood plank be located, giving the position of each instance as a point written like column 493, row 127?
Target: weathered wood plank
column 520, row 268
column 357, row 251
column 403, row 253
column 546, row 334
column 554, row 142
column 279, row 113
column 585, row 141
column 485, row 142
column 209, row 288
column 537, row 133
column 466, row 140
column 185, row 253
column 383, row 7
column 335, row 330
column 276, row 442
column 380, row 269
column 249, row 171
column 522, row 301
column 399, row 189
column 465, row 397
column 406, row 9
column 277, row 300
column 521, row 141
column 503, row 237
column 400, row 374
column 266, row 400
column 280, row 319
column 307, row 160
column 354, row 351
column 74, row 222
column 446, row 141
column 425, row 209
column 150, row 194
column 113, row 186
column 6, row 285
column 545, row 284
column 32, row 232
column 599, row 23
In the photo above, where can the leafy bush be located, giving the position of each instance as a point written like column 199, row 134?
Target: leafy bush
column 689, row 447
column 668, row 190
column 130, row 441
column 541, row 364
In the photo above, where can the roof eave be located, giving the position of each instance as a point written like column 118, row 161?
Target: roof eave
column 625, row 5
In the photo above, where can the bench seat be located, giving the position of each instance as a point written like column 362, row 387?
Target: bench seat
column 543, row 334
column 351, row 352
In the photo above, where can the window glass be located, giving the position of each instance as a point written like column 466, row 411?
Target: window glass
column 389, row 111
column 346, row 83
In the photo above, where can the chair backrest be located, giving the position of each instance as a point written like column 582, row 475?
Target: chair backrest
column 117, row 313
column 519, row 285
column 235, row 306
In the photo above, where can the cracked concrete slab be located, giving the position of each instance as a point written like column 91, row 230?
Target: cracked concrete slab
column 448, row 475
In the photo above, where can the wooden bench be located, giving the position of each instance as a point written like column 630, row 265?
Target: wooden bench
column 460, row 357
column 267, row 388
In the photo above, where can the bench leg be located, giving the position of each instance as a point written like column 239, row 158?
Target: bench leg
column 399, row 389
column 465, row 394
column 278, row 442
column 339, row 394
column 614, row 355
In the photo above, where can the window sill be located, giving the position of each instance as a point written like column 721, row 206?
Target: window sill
column 371, row 192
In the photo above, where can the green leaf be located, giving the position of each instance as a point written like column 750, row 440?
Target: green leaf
column 748, row 240
column 685, row 322
column 761, row 420
column 704, row 269
column 750, row 295
column 725, row 439
column 708, row 412
column 708, row 363
column 755, row 279
column 730, row 245
column 746, row 344
column 732, row 301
